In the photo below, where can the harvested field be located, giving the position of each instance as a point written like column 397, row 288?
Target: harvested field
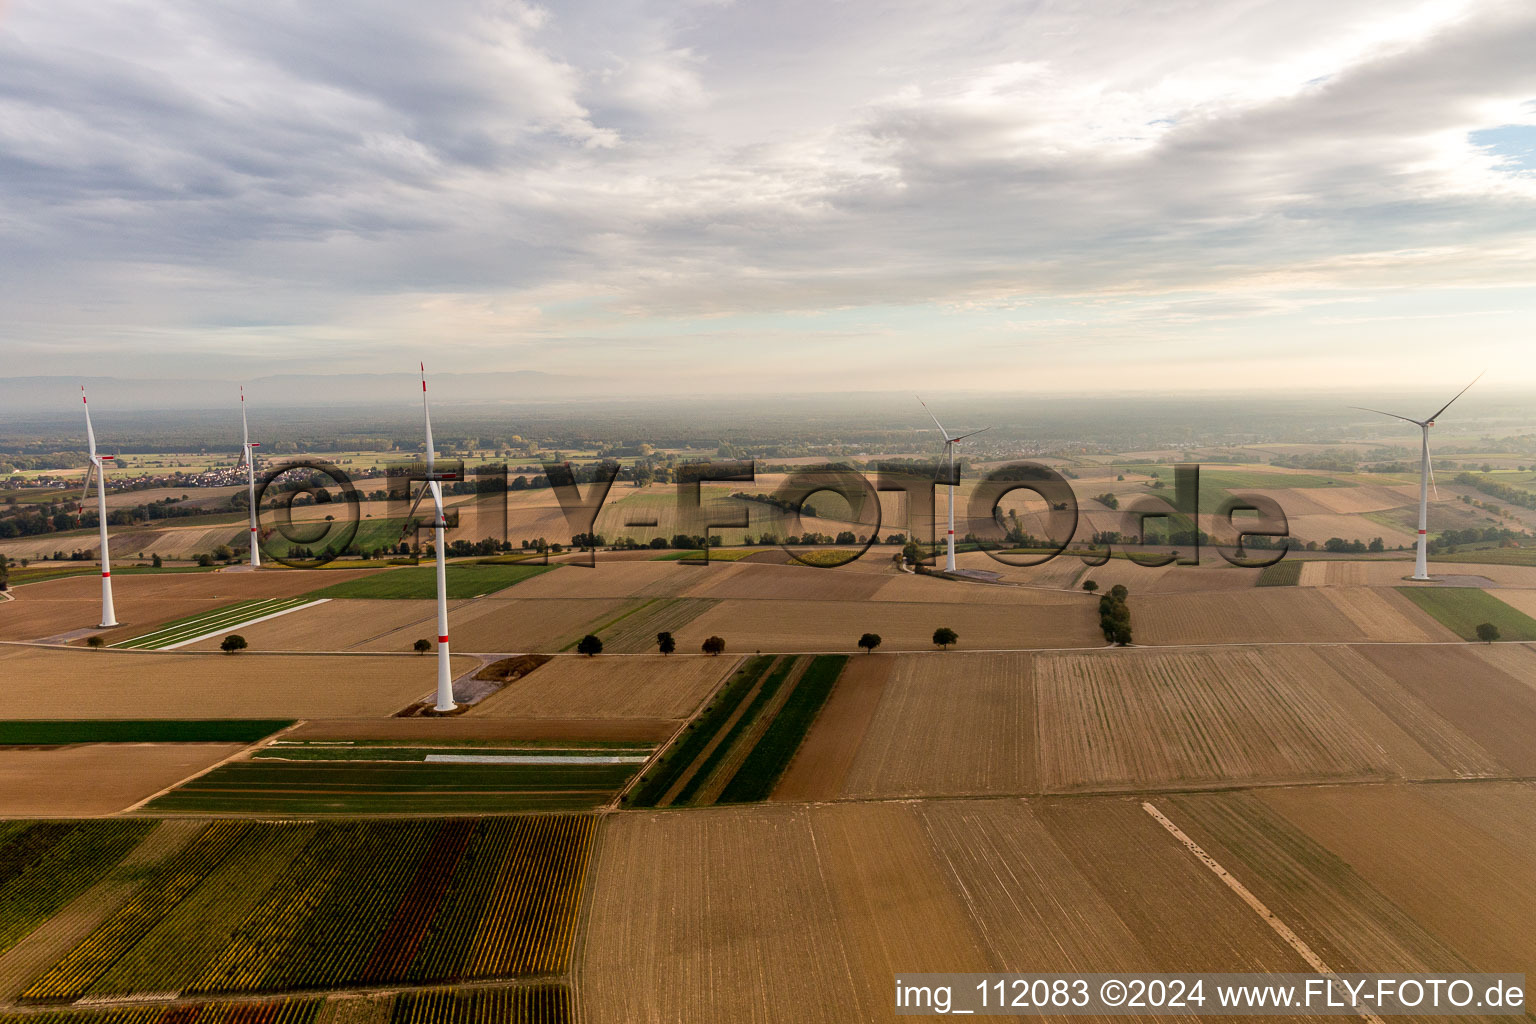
column 751, row 931
column 634, row 631
column 1039, row 619
column 1492, row 706
column 1184, row 917
column 784, row 912
column 613, row 579
column 1522, row 601
column 950, row 725
column 498, row 624
column 1143, row 720
column 1349, row 924
column 754, row 581
column 1212, row 574
column 132, row 684
column 1471, row 890
column 1321, row 528
column 820, row 767
column 1280, row 614
column 1361, row 498
column 480, row 728
column 144, row 601
column 97, row 778
column 655, row 687
column 336, row 625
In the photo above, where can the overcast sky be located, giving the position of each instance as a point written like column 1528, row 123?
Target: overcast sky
column 815, row 195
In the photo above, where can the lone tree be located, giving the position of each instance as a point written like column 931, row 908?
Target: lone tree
column 713, row 645
column 1487, row 632
column 232, row 643
column 665, row 644
column 589, row 646
column 95, row 641
column 1090, row 586
column 869, row 641
column 944, row 636
column 422, row 646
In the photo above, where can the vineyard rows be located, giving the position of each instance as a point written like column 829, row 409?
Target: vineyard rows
column 263, row 906
column 532, row 1004
column 287, row 1011
column 45, row 865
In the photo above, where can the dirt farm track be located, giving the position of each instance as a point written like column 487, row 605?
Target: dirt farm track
column 1030, row 800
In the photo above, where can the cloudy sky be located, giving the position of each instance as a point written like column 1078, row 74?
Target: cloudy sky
column 819, row 195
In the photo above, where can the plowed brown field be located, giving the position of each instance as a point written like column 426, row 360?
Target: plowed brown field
column 656, row 686
column 950, row 725
column 88, row 779
column 80, row 683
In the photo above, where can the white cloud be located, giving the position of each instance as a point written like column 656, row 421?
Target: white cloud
column 496, row 176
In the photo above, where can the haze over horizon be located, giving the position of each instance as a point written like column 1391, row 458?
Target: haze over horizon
column 769, row 199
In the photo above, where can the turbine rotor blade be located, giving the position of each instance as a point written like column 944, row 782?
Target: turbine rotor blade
column 1463, row 391
column 85, row 492
column 90, row 433
column 427, row 416
column 973, row 433
column 932, row 416
column 1383, row 412
column 412, row 513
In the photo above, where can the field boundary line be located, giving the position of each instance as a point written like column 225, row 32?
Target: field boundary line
column 244, row 751
column 1296, row 942
column 248, row 622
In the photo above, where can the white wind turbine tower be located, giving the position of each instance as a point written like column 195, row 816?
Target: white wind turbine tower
column 99, row 470
column 949, row 451
column 433, row 484
column 248, row 456
column 1426, row 477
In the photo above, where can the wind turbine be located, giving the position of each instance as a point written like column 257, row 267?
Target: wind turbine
column 1426, row 477
column 99, row 470
column 248, row 456
column 434, row 485
column 949, row 451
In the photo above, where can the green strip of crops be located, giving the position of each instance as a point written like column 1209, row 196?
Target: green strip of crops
column 760, row 772
column 419, row 582
column 765, row 694
column 671, row 765
column 212, row 730
column 1462, row 609
column 229, row 617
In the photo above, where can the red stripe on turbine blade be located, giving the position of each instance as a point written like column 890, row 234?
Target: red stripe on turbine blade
column 442, row 639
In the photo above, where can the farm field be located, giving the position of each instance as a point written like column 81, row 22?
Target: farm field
column 88, row 779
column 1037, row 619
column 149, row 730
column 1170, row 719
column 491, row 624
column 419, row 582
column 185, row 632
column 1282, row 614
column 131, row 684
column 634, row 629
column 1461, row 609
column 232, row 907
column 820, row 767
column 353, row 781
column 787, row 912
column 657, row 686
column 949, row 725
column 337, row 625
column 146, row 601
